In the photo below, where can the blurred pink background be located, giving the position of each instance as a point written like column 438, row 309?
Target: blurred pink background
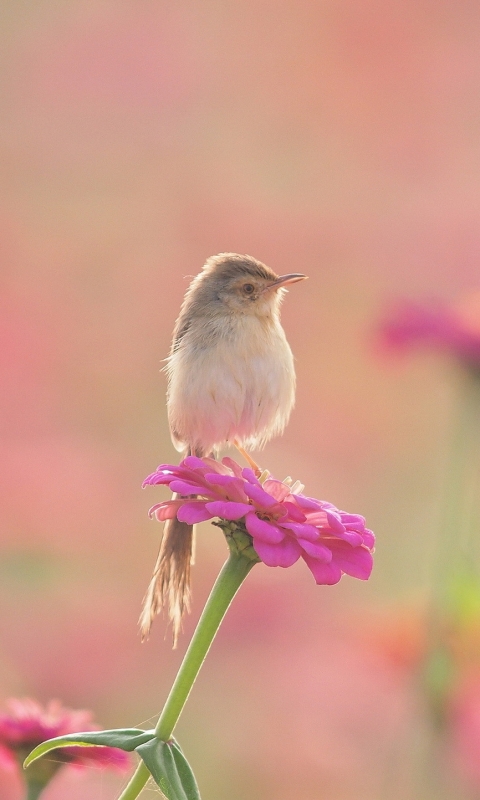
column 340, row 139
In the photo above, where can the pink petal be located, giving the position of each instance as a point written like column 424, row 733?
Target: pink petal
column 277, row 489
column 231, row 464
column 167, row 472
column 216, row 466
column 228, row 510
column 7, row 759
column 157, row 478
column 353, row 519
column 283, row 554
column 316, row 550
column 302, row 530
column 368, row 538
column 294, row 512
column 166, row 510
column 335, row 523
column 250, row 476
column 173, row 468
column 355, row 561
column 186, row 488
column 324, row 574
column 259, row 495
column 232, row 485
column 194, row 511
column 327, row 506
column 193, row 462
column 352, row 537
column 262, row 529
column 317, row 518
column 308, row 502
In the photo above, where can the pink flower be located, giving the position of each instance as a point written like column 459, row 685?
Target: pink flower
column 284, row 525
column 464, row 723
column 454, row 329
column 27, row 724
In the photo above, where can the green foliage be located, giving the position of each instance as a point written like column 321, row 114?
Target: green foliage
column 124, row 738
column 164, row 760
column 170, row 769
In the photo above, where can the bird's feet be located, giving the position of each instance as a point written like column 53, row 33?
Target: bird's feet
column 248, row 458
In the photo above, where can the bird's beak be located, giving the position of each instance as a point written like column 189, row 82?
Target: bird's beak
column 284, row 280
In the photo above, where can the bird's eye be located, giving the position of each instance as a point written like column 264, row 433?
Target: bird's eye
column 248, row 288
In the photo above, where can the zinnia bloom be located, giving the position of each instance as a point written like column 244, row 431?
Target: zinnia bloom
column 453, row 329
column 464, row 726
column 26, row 724
column 284, row 525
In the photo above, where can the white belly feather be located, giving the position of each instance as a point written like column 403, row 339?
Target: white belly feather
column 241, row 386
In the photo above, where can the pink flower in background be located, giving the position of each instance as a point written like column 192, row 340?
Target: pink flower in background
column 454, row 329
column 26, row 724
column 284, row 524
column 464, row 725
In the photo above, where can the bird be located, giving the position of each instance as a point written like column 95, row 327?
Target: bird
column 230, row 381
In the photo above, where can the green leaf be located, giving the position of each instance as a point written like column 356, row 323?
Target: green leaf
column 170, row 769
column 123, row 738
column 165, row 760
column 463, row 595
column 185, row 772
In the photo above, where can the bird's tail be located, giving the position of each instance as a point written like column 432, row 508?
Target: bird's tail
column 170, row 583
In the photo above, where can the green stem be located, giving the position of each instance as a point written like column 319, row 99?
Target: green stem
column 232, row 575
column 451, row 548
column 34, row 790
column 136, row 783
column 455, row 535
column 454, row 569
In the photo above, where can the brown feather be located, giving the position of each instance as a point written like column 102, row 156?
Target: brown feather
column 170, row 582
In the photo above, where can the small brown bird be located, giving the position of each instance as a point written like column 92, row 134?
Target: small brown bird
column 231, row 380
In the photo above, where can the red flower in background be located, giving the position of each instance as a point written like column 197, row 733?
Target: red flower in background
column 283, row 523
column 465, row 731
column 27, row 724
column 453, row 329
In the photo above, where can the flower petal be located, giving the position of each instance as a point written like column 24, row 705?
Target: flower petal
column 263, row 529
column 215, row 466
column 259, row 496
column 233, row 486
column 166, row 510
column 368, row 538
column 194, row 463
column 277, row 489
column 355, row 561
column 228, row 510
column 302, row 530
column 231, row 464
column 352, row 537
column 308, row 502
column 159, row 478
column 193, row 511
column 186, row 488
column 334, row 522
column 294, row 513
column 355, row 520
column 8, row 761
column 283, row 554
column 324, row 574
column 316, row 550
column 250, row 476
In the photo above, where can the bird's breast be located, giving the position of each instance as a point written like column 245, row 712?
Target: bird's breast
column 237, row 380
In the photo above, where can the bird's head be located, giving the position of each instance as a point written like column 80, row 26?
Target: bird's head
column 242, row 285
